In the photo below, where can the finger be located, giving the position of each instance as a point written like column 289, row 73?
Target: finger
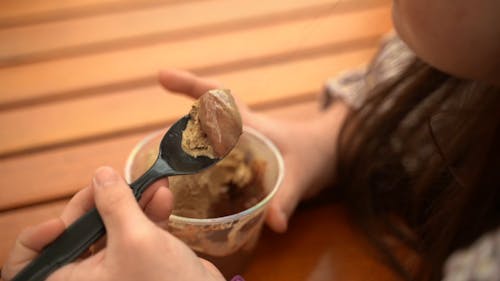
column 210, row 267
column 185, row 82
column 194, row 86
column 148, row 194
column 37, row 237
column 116, row 205
column 276, row 218
column 283, row 205
column 81, row 203
column 161, row 205
column 29, row 243
column 65, row 273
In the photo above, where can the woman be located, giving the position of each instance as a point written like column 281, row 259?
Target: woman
column 412, row 142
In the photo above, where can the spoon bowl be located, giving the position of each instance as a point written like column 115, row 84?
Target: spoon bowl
column 171, row 151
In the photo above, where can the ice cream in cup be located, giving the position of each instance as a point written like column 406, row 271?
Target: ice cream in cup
column 219, row 212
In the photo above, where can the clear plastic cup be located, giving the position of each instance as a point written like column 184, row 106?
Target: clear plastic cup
column 225, row 241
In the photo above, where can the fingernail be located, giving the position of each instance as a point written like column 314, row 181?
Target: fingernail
column 105, row 176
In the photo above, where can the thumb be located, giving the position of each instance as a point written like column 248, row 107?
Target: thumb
column 285, row 201
column 116, row 204
column 185, row 82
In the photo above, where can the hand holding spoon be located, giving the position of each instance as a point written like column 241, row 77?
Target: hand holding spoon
column 172, row 160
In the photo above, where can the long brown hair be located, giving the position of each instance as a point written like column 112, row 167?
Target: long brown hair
column 424, row 148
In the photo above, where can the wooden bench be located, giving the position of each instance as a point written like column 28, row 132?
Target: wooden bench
column 78, row 90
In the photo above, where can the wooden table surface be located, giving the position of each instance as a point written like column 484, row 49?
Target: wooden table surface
column 78, row 89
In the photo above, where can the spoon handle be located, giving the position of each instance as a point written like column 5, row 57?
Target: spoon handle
column 81, row 234
column 66, row 248
column 159, row 170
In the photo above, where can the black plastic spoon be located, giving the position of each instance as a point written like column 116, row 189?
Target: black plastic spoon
column 79, row 236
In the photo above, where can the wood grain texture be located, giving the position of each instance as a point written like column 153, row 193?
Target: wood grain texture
column 26, row 12
column 60, row 172
column 157, row 23
column 52, row 124
column 95, row 73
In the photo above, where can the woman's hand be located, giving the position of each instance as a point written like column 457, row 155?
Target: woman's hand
column 136, row 248
column 308, row 146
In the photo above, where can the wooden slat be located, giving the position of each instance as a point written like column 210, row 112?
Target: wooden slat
column 156, row 23
column 15, row 12
column 56, row 123
column 57, row 173
column 88, row 74
column 60, row 172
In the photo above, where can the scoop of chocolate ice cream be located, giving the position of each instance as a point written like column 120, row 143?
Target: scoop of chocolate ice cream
column 232, row 185
column 215, row 125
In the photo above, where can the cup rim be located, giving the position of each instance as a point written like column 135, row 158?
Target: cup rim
column 219, row 220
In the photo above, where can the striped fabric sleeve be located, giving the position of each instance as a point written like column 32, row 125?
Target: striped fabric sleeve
column 480, row 261
column 353, row 86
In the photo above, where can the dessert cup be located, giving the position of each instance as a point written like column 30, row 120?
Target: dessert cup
column 226, row 241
